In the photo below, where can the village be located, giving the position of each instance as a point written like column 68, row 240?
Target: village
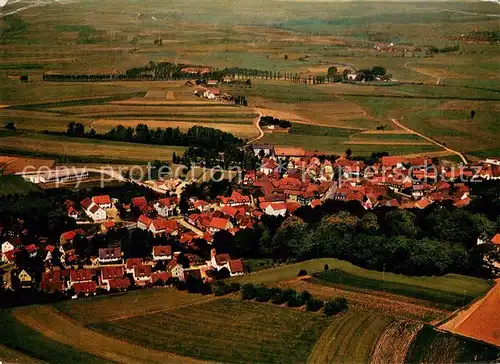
column 287, row 179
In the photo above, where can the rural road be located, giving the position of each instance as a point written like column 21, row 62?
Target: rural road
column 256, row 124
column 429, row 139
column 407, row 65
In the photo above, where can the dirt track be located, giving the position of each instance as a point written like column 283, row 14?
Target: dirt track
column 481, row 320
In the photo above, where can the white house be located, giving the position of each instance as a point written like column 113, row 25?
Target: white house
column 110, row 256
column 166, row 207
column 6, row 246
column 162, row 252
column 104, row 201
column 175, row 268
column 274, row 208
column 142, row 274
column 96, row 213
column 495, row 161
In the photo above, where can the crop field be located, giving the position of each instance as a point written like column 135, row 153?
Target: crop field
column 431, row 346
column 67, row 148
column 394, row 342
column 226, row 330
column 36, row 345
column 134, row 303
column 350, row 338
column 480, row 320
column 439, row 287
column 430, row 291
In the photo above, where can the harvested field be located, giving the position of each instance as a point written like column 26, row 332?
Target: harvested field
column 60, row 328
column 471, row 105
column 125, row 305
column 10, row 165
column 111, row 109
column 392, row 345
column 156, row 95
column 226, row 330
column 481, row 320
column 86, row 148
column 387, row 132
column 350, row 338
column 241, row 130
column 385, row 303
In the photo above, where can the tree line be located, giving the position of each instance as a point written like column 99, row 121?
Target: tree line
column 438, row 240
column 195, row 136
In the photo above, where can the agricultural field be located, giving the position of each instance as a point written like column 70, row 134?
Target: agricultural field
column 233, row 331
column 131, row 304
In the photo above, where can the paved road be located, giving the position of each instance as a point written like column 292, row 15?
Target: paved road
column 429, row 139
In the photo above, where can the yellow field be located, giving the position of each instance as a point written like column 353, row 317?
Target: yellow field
column 88, row 148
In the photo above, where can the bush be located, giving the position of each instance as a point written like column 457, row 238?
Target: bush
column 314, row 304
column 248, row 291
column 277, row 296
column 335, row 306
column 326, row 267
column 234, row 287
column 302, row 273
column 295, row 300
column 262, row 293
column 305, row 295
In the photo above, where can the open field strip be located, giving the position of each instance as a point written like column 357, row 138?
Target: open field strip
column 481, row 320
column 148, row 109
column 44, row 145
column 453, row 284
column 432, row 346
column 9, row 355
column 64, row 330
column 28, row 344
column 148, row 102
column 240, row 130
column 393, row 344
column 350, row 338
column 386, row 132
column 381, row 142
column 129, row 304
column 371, row 300
column 227, row 330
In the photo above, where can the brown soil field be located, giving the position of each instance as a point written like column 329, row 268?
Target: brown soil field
column 156, row 95
column 143, row 101
column 394, row 342
column 241, row 130
column 481, row 320
column 386, row 303
column 441, row 153
column 61, row 328
column 10, row 165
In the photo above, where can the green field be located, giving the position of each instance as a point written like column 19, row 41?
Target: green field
column 431, row 346
column 226, row 330
column 14, row 184
column 17, row 336
column 429, row 292
column 135, row 303
column 350, row 338
column 446, row 289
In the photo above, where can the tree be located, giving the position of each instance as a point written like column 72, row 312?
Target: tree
column 335, row 306
column 472, row 114
column 348, row 153
column 302, row 273
column 401, row 222
column 378, row 71
column 313, row 304
column 24, row 78
column 332, row 72
column 10, row 126
column 369, row 223
column 285, row 57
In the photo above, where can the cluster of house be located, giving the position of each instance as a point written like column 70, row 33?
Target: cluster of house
column 109, row 271
column 212, row 93
column 292, row 174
